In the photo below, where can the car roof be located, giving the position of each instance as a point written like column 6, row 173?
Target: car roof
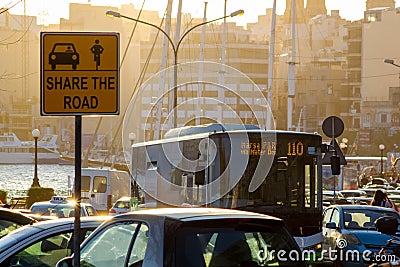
column 362, row 207
column 351, row 190
column 194, row 214
column 124, row 199
column 53, row 204
column 15, row 216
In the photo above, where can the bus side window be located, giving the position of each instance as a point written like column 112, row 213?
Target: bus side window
column 200, row 177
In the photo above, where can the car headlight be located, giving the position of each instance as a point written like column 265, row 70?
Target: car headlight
column 74, row 57
column 350, row 239
column 53, row 57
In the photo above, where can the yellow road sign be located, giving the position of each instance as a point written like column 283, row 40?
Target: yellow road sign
column 79, row 73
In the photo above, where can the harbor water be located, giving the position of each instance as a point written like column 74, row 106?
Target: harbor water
column 17, row 179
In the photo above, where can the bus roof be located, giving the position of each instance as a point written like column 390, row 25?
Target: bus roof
column 207, row 128
column 206, row 134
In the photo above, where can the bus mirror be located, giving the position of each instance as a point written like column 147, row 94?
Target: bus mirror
column 335, row 165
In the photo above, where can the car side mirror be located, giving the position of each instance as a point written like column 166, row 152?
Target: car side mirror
column 330, row 225
column 65, row 262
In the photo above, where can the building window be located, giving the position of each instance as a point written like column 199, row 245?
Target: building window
column 395, row 119
column 367, row 118
column 383, row 118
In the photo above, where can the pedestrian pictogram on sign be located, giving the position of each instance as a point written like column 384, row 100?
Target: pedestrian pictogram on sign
column 79, row 73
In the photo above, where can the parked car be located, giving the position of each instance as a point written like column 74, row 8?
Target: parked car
column 122, row 205
column 360, row 200
column 395, row 192
column 353, row 193
column 351, row 229
column 61, row 207
column 11, row 220
column 371, row 190
column 333, row 197
column 188, row 237
column 43, row 243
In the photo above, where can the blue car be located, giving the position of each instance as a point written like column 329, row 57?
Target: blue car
column 350, row 237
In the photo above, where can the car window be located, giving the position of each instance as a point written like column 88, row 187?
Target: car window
column 7, row 226
column 40, row 210
column 90, row 211
column 46, row 252
column 122, row 205
column 327, row 216
column 110, row 246
column 364, row 219
column 233, row 247
column 99, row 184
column 335, row 217
column 85, row 183
column 139, row 247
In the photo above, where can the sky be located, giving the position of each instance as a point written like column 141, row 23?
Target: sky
column 49, row 11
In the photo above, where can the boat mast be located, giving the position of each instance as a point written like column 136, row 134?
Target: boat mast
column 201, row 68
column 174, row 97
column 161, row 85
column 271, row 67
column 222, row 72
column 291, row 71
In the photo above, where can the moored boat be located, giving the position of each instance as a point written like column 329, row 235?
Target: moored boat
column 15, row 151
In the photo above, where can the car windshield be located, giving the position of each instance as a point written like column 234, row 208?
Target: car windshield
column 364, row 218
column 60, row 48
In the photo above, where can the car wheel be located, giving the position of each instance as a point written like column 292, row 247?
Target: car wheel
column 74, row 67
column 53, row 66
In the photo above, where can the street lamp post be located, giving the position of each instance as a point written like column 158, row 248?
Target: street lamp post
column 132, row 138
column 35, row 134
column 175, row 48
column 391, row 61
column 381, row 148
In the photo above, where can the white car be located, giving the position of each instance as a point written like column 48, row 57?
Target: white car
column 122, row 205
column 61, row 207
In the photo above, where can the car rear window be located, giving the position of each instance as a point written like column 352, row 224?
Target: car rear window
column 60, row 210
column 235, row 244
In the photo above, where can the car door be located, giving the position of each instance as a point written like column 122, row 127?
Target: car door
column 46, row 251
column 326, row 217
column 117, row 244
column 333, row 233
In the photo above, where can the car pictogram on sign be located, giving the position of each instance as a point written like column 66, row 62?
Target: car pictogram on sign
column 63, row 54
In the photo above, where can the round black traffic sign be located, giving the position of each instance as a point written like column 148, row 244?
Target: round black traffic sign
column 333, row 126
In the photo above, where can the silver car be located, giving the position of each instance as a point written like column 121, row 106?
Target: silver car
column 189, row 237
column 43, row 243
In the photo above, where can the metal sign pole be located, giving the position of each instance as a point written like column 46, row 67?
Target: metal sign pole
column 77, row 192
column 334, row 154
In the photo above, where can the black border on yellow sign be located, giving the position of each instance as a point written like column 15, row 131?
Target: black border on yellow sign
column 115, row 110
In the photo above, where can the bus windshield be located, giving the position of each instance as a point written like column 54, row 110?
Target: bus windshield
column 290, row 180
